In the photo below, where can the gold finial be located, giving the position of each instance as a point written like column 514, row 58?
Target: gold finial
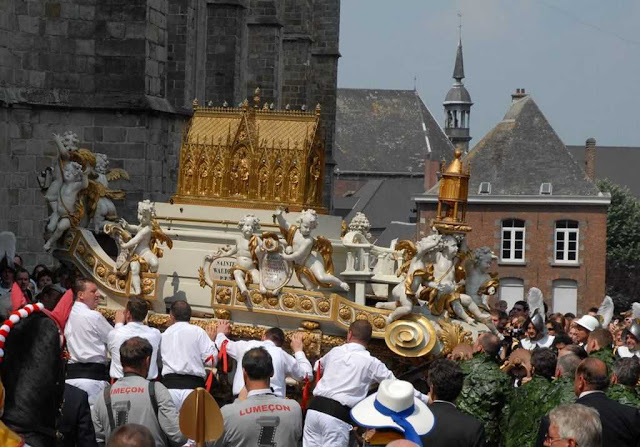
column 256, row 97
column 456, row 165
column 318, row 109
column 245, row 104
column 195, row 103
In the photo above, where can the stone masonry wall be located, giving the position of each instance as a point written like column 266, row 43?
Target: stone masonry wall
column 123, row 74
column 145, row 145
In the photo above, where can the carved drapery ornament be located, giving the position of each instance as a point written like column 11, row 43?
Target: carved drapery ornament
column 252, row 157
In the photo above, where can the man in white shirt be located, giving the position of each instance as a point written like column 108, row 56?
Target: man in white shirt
column 185, row 349
column 134, row 315
column 284, row 365
column 347, row 373
column 87, row 333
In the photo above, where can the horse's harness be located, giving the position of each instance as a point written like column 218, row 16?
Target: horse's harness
column 64, row 354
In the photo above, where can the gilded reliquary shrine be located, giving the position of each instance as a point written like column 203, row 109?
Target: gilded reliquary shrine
column 252, row 157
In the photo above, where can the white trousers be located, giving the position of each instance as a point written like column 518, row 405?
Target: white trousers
column 90, row 386
column 179, row 396
column 322, row 430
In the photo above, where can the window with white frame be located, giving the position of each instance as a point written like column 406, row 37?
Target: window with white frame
column 513, row 232
column 566, row 246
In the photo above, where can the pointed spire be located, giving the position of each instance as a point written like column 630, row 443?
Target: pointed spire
column 458, row 69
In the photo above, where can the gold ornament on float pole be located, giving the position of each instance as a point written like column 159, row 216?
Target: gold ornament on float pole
column 200, row 417
column 452, row 198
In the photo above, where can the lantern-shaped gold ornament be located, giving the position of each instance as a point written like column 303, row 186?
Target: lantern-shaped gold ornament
column 452, row 198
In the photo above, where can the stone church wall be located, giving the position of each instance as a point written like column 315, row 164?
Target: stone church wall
column 123, row 74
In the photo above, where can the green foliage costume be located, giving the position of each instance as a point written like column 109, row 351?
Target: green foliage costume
column 528, row 404
column 606, row 355
column 624, row 395
column 484, row 394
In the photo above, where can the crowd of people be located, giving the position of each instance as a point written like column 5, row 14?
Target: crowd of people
column 554, row 380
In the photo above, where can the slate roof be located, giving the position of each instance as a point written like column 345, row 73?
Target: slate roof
column 382, row 200
column 520, row 153
column 616, row 163
column 386, row 131
column 397, row 230
column 458, row 93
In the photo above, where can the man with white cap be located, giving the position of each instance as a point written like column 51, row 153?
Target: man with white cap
column 452, row 427
column 395, row 407
column 583, row 327
column 631, row 337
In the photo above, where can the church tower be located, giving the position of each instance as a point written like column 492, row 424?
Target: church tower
column 457, row 107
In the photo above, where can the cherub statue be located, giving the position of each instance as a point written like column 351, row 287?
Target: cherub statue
column 445, row 286
column 64, row 144
column 143, row 248
column 68, row 209
column 101, row 205
column 247, row 252
column 311, row 257
column 416, row 259
column 479, row 283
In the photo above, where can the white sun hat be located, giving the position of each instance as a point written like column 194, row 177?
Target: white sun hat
column 395, row 407
column 589, row 322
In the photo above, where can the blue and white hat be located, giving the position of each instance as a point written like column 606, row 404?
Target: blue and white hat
column 395, row 407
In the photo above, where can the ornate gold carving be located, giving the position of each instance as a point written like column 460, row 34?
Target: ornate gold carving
column 451, row 335
column 223, row 295
column 379, row 323
column 256, row 297
column 306, row 304
column 90, row 260
column 68, row 240
column 223, row 314
column 324, row 306
column 82, row 249
column 289, row 300
column 309, row 325
column 252, row 157
column 273, row 301
column 101, row 271
column 411, row 336
column 122, row 284
column 362, row 316
column 344, row 313
column 112, row 279
column 147, row 286
column 201, row 277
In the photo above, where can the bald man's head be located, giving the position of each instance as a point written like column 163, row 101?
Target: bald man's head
column 489, row 343
column 592, row 375
column 402, row 443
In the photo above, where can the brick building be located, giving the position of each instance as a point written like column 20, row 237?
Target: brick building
column 123, row 76
column 537, row 210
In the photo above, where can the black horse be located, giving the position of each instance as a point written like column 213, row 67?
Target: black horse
column 32, row 372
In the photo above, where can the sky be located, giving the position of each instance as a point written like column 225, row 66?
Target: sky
column 579, row 59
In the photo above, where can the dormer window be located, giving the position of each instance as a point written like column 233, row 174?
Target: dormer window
column 546, row 189
column 485, row 188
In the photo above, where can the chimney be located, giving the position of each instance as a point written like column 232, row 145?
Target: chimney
column 519, row 94
column 590, row 159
